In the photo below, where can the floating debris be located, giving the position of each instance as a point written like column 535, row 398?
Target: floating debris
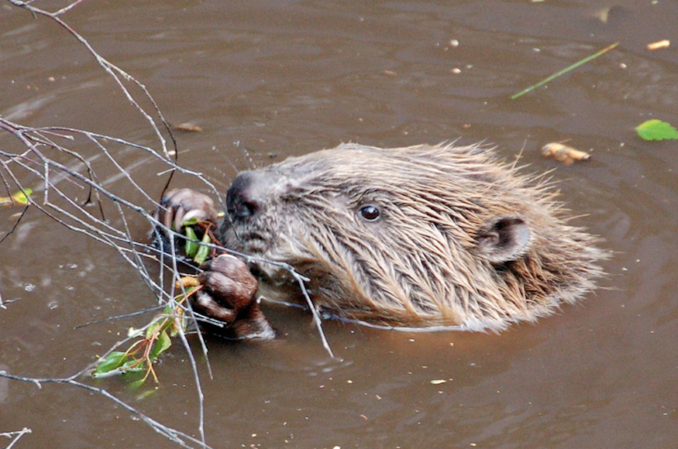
column 187, row 127
column 563, row 153
column 564, row 71
column 659, row 44
column 657, row 130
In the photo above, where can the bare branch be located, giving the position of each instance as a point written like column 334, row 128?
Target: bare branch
column 176, row 436
column 15, row 436
column 66, row 172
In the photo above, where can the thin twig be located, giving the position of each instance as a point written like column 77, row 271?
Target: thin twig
column 173, row 435
column 15, row 225
column 15, row 435
column 45, row 159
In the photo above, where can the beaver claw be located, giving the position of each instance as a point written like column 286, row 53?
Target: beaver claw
column 228, row 295
column 176, row 208
column 181, row 205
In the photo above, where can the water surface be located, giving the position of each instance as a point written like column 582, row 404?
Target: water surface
column 281, row 78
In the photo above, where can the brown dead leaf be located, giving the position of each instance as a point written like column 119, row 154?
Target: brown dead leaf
column 186, row 282
column 659, row 44
column 187, row 127
column 563, row 153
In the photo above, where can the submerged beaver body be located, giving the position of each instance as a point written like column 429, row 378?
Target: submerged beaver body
column 418, row 236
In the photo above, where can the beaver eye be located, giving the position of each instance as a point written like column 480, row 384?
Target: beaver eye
column 370, row 213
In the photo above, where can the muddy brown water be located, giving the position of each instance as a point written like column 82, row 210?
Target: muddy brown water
column 290, row 77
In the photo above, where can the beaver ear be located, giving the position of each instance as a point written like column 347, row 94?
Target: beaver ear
column 503, row 239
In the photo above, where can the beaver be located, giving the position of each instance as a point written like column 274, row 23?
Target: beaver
column 429, row 235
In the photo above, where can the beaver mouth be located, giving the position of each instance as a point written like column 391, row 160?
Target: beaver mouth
column 247, row 241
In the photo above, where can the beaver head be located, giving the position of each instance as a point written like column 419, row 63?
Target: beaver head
column 425, row 235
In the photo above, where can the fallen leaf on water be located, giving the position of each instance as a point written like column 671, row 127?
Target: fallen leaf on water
column 187, row 127
column 656, row 130
column 659, row 44
column 563, row 153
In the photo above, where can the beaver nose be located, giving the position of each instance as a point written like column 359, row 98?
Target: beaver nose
column 244, row 199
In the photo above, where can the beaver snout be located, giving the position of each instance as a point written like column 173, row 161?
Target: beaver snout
column 249, row 194
column 242, row 200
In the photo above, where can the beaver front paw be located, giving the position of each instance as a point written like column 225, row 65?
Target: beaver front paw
column 228, row 295
column 180, row 206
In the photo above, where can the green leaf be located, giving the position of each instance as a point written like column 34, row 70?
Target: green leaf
column 132, row 366
column 190, row 222
column 161, row 345
column 656, row 130
column 204, row 252
column 160, row 323
column 181, row 324
column 191, row 245
column 168, row 310
column 154, row 327
column 112, row 361
column 21, row 198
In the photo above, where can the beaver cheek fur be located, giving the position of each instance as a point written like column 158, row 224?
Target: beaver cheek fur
column 420, row 236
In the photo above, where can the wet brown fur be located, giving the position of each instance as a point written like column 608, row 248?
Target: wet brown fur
column 423, row 262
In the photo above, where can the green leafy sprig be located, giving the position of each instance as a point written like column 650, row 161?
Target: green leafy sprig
column 153, row 341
